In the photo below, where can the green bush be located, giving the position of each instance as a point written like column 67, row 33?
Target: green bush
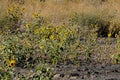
column 103, row 21
column 11, row 22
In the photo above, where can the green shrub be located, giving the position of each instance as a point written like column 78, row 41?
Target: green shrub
column 11, row 22
column 105, row 23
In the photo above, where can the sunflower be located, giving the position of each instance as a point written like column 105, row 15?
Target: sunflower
column 51, row 37
column 12, row 63
column 36, row 14
column 109, row 35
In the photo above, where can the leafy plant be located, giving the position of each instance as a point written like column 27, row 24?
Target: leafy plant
column 13, row 19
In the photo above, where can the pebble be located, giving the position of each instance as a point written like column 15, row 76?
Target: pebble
column 73, row 78
column 56, row 76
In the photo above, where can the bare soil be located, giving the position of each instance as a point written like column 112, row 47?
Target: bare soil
column 96, row 71
column 98, row 68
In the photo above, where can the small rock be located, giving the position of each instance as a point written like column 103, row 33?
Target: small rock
column 73, row 78
column 67, row 76
column 56, row 76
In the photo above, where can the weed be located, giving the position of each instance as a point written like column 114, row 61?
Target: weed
column 49, row 38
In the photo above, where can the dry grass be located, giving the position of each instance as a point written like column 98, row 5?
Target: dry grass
column 58, row 12
column 41, row 44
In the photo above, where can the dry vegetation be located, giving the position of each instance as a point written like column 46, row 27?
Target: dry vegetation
column 35, row 35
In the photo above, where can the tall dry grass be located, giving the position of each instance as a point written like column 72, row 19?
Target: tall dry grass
column 59, row 11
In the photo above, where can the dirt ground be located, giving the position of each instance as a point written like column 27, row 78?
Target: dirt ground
column 96, row 69
column 88, row 72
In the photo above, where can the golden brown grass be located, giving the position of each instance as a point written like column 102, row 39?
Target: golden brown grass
column 39, row 43
column 58, row 12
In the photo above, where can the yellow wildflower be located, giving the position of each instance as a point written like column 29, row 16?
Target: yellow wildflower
column 12, row 63
column 36, row 14
column 42, row 46
column 109, row 35
column 51, row 37
column 62, row 39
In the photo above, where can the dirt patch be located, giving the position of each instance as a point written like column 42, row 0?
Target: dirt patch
column 98, row 68
column 87, row 72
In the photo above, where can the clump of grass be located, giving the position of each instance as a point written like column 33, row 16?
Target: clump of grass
column 102, row 21
column 13, row 19
column 115, row 57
